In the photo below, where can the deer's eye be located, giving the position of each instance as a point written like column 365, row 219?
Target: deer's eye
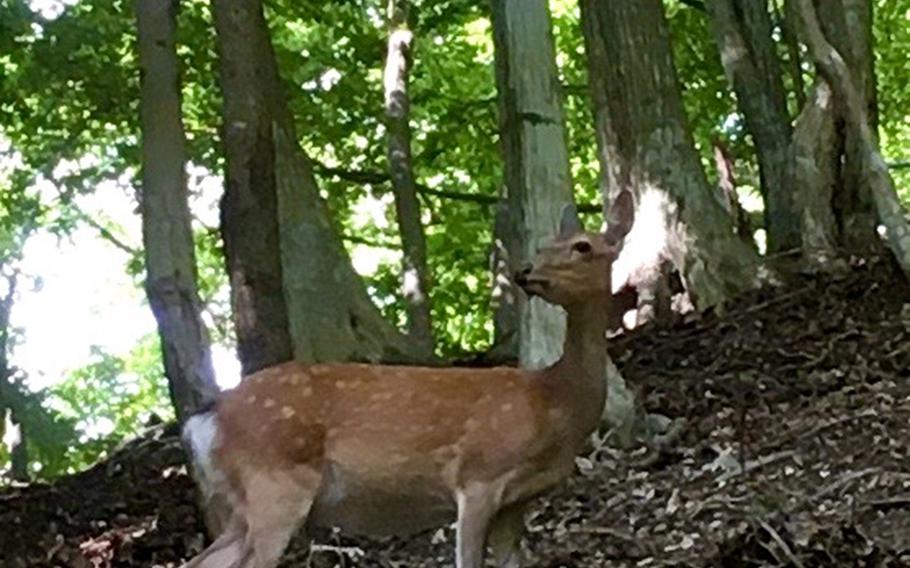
column 584, row 247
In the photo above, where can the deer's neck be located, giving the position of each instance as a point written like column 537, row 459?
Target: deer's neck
column 581, row 370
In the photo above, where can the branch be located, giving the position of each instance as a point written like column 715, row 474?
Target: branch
column 106, row 234
column 379, row 178
column 383, row 244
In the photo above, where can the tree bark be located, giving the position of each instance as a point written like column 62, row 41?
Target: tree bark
column 415, row 275
column 249, row 208
column 726, row 182
column 166, row 229
column 834, row 193
column 742, row 31
column 645, row 145
column 848, row 24
column 294, row 290
column 815, row 171
column 534, row 147
column 794, row 60
column 503, row 291
column 847, row 87
column 12, row 431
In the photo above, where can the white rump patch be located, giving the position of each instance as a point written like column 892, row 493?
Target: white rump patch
column 200, row 433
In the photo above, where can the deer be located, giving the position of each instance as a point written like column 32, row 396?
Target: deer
column 392, row 450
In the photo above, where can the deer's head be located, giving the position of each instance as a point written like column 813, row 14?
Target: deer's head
column 575, row 266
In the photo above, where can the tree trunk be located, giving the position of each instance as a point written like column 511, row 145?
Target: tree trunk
column 848, row 24
column 295, row 293
column 834, row 194
column 645, row 145
column 166, row 230
column 794, row 60
column 12, row 430
column 533, row 139
column 415, row 279
column 853, row 101
column 742, row 31
column 726, row 181
column 504, row 293
column 815, row 171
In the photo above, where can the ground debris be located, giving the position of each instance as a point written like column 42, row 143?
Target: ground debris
column 796, row 452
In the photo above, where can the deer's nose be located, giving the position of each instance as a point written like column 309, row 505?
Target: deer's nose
column 521, row 277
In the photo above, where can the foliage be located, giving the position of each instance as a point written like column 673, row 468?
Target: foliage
column 111, row 399
column 50, row 436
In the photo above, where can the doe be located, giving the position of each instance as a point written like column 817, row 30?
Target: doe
column 388, row 450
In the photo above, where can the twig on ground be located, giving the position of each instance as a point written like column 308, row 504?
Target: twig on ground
column 606, row 531
column 842, row 481
column 785, row 548
column 756, row 464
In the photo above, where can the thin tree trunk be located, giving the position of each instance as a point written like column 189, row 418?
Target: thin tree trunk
column 11, row 427
column 533, row 139
column 742, row 31
column 853, row 100
column 504, row 294
column 645, row 145
column 794, row 60
column 726, row 175
column 294, row 290
column 166, row 230
column 415, row 278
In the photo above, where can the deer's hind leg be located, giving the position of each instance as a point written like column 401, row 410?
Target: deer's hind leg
column 505, row 535
column 277, row 504
column 273, row 506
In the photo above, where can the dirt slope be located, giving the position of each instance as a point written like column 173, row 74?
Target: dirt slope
column 808, row 385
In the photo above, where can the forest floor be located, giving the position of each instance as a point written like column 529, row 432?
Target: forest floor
column 795, row 452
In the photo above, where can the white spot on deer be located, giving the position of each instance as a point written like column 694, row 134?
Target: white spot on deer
column 306, row 391
column 507, row 407
column 382, row 396
column 269, row 403
column 287, row 412
column 251, row 399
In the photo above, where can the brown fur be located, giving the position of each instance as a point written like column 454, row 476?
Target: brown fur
column 391, row 450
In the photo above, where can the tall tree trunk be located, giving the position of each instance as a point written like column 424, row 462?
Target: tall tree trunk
column 415, row 280
column 533, row 139
column 504, row 293
column 12, row 431
column 645, row 145
column 834, row 194
column 742, row 30
column 848, row 24
column 166, row 230
column 787, row 20
column 847, row 86
column 815, row 165
column 294, row 291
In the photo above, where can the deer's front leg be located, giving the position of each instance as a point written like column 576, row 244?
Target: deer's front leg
column 476, row 507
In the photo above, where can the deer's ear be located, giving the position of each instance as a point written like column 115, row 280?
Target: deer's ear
column 621, row 217
column 568, row 223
